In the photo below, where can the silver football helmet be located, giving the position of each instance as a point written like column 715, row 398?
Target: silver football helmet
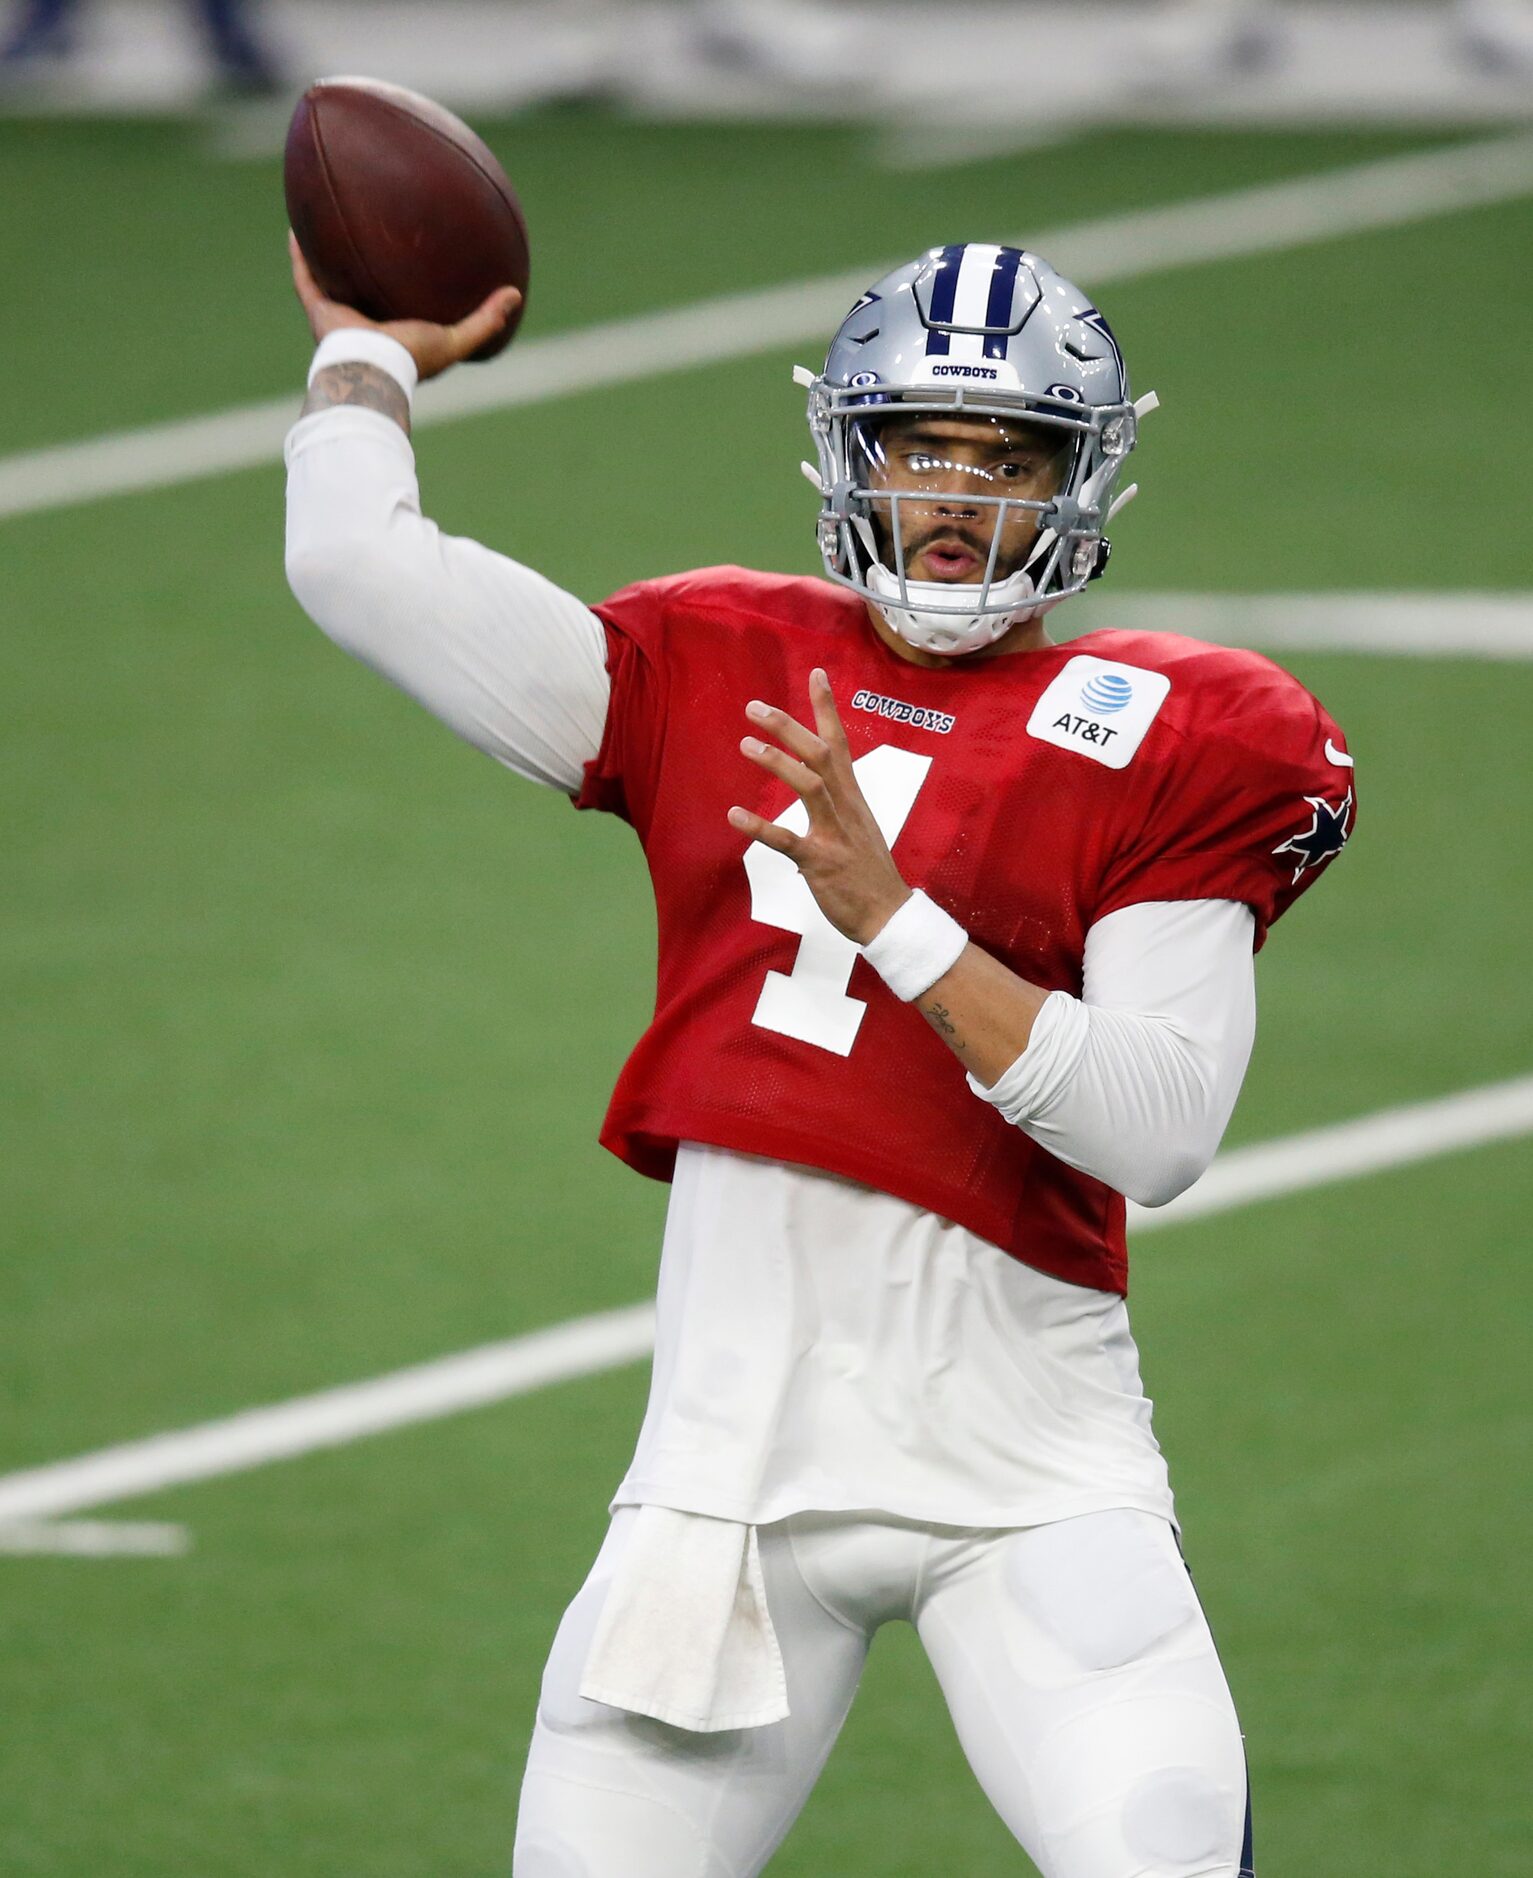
column 983, row 332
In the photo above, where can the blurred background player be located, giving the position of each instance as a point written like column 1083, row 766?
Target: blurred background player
column 1173, row 43
column 788, row 58
column 1202, row 39
column 44, row 34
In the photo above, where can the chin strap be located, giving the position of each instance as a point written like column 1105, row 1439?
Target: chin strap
column 937, row 627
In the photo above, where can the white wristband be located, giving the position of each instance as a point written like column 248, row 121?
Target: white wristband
column 916, row 947
column 361, row 345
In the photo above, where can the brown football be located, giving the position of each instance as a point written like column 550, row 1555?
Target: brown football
column 400, row 210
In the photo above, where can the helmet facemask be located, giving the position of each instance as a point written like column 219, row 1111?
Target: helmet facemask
column 1033, row 548
column 950, row 518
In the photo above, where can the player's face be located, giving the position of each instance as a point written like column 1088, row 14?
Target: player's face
column 946, row 462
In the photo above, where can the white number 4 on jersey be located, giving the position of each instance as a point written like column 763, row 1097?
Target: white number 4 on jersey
column 810, row 1002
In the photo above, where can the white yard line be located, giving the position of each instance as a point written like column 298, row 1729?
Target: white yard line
column 591, row 1345
column 1320, row 1157
column 908, row 147
column 583, row 1347
column 1261, row 220
column 1412, row 625
column 94, row 1538
column 587, row 1346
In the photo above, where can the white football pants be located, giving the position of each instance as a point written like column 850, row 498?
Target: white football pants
column 1075, row 1660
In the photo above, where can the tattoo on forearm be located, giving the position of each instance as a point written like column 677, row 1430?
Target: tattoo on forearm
column 357, row 383
column 938, row 1017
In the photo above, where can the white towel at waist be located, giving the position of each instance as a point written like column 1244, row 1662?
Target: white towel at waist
column 685, row 1634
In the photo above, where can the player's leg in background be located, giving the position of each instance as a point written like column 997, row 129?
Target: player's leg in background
column 1086, row 1690
column 38, row 29
column 238, row 48
column 612, row 1795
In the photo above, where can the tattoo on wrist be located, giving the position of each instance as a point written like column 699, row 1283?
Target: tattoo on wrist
column 937, row 1016
column 358, row 383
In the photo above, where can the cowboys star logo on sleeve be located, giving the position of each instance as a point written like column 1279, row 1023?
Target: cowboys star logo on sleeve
column 1325, row 836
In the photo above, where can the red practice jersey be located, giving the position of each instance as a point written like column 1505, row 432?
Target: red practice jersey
column 1030, row 794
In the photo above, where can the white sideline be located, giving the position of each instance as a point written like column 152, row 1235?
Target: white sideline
column 586, row 1346
column 1260, row 220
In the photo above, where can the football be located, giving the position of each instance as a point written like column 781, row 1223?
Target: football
column 400, row 210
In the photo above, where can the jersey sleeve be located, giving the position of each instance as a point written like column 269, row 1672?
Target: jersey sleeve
column 1252, row 804
column 621, row 777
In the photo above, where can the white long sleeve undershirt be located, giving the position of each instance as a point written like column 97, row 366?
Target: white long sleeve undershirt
column 512, row 663
column 1133, row 1082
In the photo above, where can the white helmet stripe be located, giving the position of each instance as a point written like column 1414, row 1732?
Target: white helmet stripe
column 971, row 301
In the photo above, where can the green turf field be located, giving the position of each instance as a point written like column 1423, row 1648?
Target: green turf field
column 310, row 1014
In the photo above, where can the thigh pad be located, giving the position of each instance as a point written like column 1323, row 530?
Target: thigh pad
column 1106, row 1587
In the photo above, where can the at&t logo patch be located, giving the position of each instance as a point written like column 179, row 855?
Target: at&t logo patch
column 1099, row 709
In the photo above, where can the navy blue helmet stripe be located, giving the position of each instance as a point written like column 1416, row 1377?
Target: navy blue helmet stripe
column 1003, row 286
column 944, row 298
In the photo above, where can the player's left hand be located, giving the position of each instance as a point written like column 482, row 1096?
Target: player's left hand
column 844, row 857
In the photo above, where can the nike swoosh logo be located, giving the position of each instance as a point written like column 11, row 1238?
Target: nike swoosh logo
column 1333, row 755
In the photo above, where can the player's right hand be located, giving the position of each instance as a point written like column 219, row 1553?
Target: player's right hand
column 432, row 347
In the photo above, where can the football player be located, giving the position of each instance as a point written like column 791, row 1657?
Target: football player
column 956, row 936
